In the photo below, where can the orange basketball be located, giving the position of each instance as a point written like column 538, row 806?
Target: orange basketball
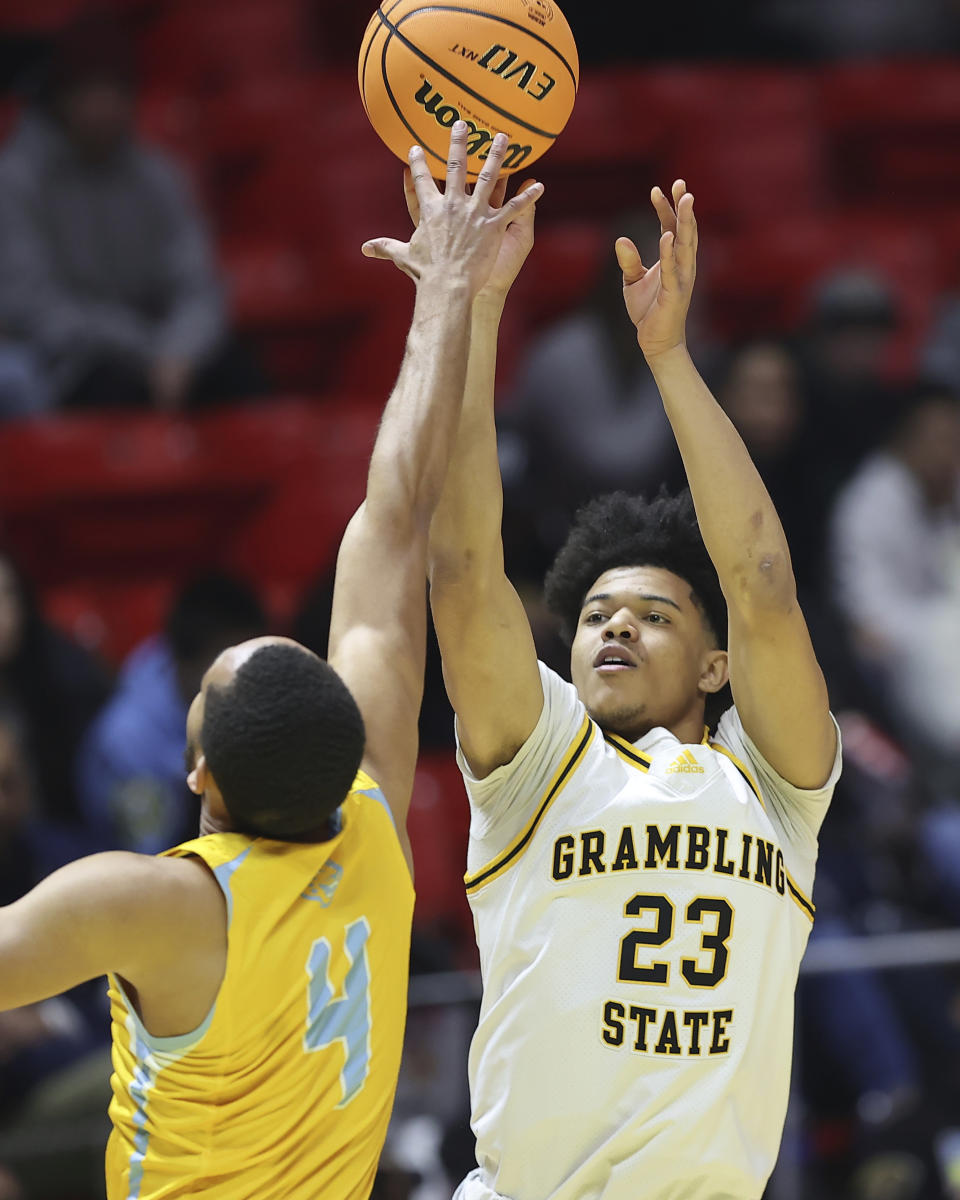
column 504, row 66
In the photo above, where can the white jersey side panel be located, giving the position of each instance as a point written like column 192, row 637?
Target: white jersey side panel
column 641, row 912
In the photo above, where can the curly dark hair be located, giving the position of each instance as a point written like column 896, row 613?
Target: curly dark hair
column 620, row 530
column 283, row 740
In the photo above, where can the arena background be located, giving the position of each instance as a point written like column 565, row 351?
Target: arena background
column 822, row 140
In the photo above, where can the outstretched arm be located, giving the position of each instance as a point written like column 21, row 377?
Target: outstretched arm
column 777, row 683
column 378, row 629
column 120, row 912
column 489, row 658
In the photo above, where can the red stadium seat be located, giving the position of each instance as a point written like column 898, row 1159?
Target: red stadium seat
column 170, row 119
column 439, row 825
column 9, row 111
column 762, row 280
column 136, row 497
column 204, row 47
column 110, row 616
column 892, row 129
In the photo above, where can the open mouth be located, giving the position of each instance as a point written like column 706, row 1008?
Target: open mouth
column 612, row 659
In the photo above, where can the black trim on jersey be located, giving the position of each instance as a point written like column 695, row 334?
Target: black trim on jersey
column 801, row 898
column 628, row 751
column 498, row 864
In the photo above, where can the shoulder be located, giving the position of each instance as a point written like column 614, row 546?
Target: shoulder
column 562, row 724
column 799, row 811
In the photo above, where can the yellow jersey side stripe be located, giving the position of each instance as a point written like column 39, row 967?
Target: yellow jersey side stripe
column 744, row 771
column 627, row 752
column 519, row 844
column 799, row 898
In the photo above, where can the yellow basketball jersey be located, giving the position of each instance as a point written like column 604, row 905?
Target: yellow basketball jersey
column 285, row 1089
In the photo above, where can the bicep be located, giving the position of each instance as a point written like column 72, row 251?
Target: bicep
column 489, row 666
column 378, row 635
column 80, row 922
column 780, row 694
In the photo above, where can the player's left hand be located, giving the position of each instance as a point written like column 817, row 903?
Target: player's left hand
column 658, row 297
column 517, row 239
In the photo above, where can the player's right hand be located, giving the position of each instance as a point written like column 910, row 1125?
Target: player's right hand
column 459, row 235
column 517, row 239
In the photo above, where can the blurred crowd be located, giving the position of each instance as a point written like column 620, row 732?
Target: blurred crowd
column 112, row 296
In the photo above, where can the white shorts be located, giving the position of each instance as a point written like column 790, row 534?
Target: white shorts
column 473, row 1188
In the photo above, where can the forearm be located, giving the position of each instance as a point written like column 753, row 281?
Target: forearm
column 738, row 521
column 466, row 526
column 412, row 451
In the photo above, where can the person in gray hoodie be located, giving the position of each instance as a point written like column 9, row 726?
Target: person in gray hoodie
column 108, row 286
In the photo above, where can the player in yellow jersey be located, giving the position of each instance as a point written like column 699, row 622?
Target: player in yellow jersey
column 258, row 974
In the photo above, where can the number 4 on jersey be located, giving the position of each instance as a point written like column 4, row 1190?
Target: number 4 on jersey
column 346, row 1019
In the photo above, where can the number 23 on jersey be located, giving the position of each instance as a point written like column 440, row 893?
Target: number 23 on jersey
column 666, row 1031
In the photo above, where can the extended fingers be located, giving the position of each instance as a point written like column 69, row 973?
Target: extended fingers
column 487, row 179
column 392, row 251
column 664, row 211
column 522, row 204
column 628, row 256
column 410, row 195
column 457, row 158
column 424, row 185
column 686, row 239
column 668, row 263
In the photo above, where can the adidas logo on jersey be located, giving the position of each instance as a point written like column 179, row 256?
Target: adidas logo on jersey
column 685, row 764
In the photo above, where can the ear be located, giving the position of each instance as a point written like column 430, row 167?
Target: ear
column 714, row 671
column 197, row 779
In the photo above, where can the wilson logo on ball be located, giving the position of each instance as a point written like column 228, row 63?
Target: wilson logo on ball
column 538, row 10
column 478, row 140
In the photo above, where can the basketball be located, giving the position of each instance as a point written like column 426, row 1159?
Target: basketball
column 503, row 66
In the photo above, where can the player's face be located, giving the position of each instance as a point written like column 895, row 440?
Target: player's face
column 642, row 655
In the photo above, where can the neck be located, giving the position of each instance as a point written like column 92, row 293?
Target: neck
column 687, row 729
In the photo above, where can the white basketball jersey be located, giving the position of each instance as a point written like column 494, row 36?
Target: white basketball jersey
column 641, row 911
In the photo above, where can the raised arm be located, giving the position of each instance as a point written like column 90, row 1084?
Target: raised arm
column 489, row 658
column 776, row 681
column 378, row 629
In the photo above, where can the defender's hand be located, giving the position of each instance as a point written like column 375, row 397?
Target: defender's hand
column 658, row 298
column 458, row 235
column 517, row 239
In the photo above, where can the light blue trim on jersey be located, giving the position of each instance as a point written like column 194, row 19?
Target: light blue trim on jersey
column 224, row 875
column 376, row 794
column 173, row 1046
column 144, row 1078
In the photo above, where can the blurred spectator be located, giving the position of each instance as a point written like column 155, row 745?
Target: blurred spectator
column 106, row 274
column 940, row 359
column 40, row 1040
column 131, row 773
column 895, row 550
column 584, row 416
column 53, row 687
column 9, row 1188
column 842, row 28
column 850, row 403
column 760, row 391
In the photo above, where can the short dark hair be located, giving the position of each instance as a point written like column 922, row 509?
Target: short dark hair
column 620, row 530
column 283, row 740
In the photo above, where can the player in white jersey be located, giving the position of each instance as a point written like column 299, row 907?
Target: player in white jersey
column 641, row 887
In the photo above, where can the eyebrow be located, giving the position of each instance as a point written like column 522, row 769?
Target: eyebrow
column 641, row 596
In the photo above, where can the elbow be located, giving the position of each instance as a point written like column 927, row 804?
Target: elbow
column 764, row 583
